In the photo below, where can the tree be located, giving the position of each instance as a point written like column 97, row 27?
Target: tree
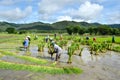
column 69, row 30
column 104, row 30
column 81, row 30
column 90, row 30
column 76, row 29
column 22, row 32
column 10, row 30
column 1, row 30
column 95, row 30
column 115, row 31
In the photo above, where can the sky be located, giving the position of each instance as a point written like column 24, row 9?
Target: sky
column 50, row 11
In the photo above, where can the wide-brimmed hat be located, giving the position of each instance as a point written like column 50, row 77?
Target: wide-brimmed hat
column 52, row 43
column 28, row 36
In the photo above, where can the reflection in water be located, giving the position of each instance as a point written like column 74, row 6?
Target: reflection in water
column 34, row 51
column 103, row 58
column 109, row 58
column 87, row 57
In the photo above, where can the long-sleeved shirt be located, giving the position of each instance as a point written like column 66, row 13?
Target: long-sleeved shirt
column 26, row 43
column 57, row 48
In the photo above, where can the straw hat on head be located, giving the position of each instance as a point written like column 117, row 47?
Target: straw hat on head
column 28, row 36
column 52, row 43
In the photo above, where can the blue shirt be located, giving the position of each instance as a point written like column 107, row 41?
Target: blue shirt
column 26, row 43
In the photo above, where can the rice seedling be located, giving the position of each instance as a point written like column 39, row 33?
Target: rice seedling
column 41, row 47
column 100, row 47
column 7, row 53
column 1, row 55
column 109, row 46
column 69, row 38
column 51, row 51
column 83, row 42
column 77, row 39
column 36, row 68
column 91, row 49
column 33, row 60
column 77, row 46
column 116, row 48
column 70, row 70
column 80, row 53
column 95, row 47
column 71, row 50
column 27, row 58
column 62, row 43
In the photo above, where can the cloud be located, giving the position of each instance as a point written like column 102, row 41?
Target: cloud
column 54, row 6
column 103, row 11
column 114, row 17
column 68, row 18
column 48, row 7
column 62, row 18
column 87, row 11
column 6, row 2
column 98, row 1
column 66, row 10
column 15, row 14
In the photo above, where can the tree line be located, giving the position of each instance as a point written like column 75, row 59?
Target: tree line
column 11, row 30
column 100, row 30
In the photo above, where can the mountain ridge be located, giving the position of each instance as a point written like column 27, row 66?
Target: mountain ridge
column 61, row 25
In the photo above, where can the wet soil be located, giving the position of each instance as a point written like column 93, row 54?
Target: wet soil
column 96, row 67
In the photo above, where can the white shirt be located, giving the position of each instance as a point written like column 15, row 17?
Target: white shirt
column 56, row 47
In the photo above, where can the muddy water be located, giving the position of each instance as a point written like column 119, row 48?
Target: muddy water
column 34, row 51
column 86, row 57
column 96, row 67
column 110, row 58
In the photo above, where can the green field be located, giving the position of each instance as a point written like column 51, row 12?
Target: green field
column 10, row 45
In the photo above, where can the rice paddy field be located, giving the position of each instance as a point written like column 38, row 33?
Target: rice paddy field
column 81, row 59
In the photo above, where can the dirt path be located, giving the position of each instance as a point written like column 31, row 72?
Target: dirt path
column 102, row 67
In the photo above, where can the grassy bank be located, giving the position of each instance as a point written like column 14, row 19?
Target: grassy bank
column 39, row 65
column 43, row 69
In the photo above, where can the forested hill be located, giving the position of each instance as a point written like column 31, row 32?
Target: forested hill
column 46, row 26
column 115, row 25
column 64, row 24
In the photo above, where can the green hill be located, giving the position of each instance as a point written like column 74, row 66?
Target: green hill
column 64, row 24
column 36, row 26
column 46, row 26
column 4, row 25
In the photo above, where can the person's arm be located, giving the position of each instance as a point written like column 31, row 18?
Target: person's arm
column 55, row 49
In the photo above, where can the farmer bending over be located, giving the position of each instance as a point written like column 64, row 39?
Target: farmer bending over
column 57, row 50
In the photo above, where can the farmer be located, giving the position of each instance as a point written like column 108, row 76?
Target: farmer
column 36, row 37
column 113, row 39
column 55, row 35
column 26, row 43
column 46, row 39
column 29, row 40
column 50, row 39
column 94, row 39
column 87, row 38
column 61, row 37
column 57, row 50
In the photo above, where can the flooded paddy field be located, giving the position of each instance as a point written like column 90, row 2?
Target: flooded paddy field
column 95, row 67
